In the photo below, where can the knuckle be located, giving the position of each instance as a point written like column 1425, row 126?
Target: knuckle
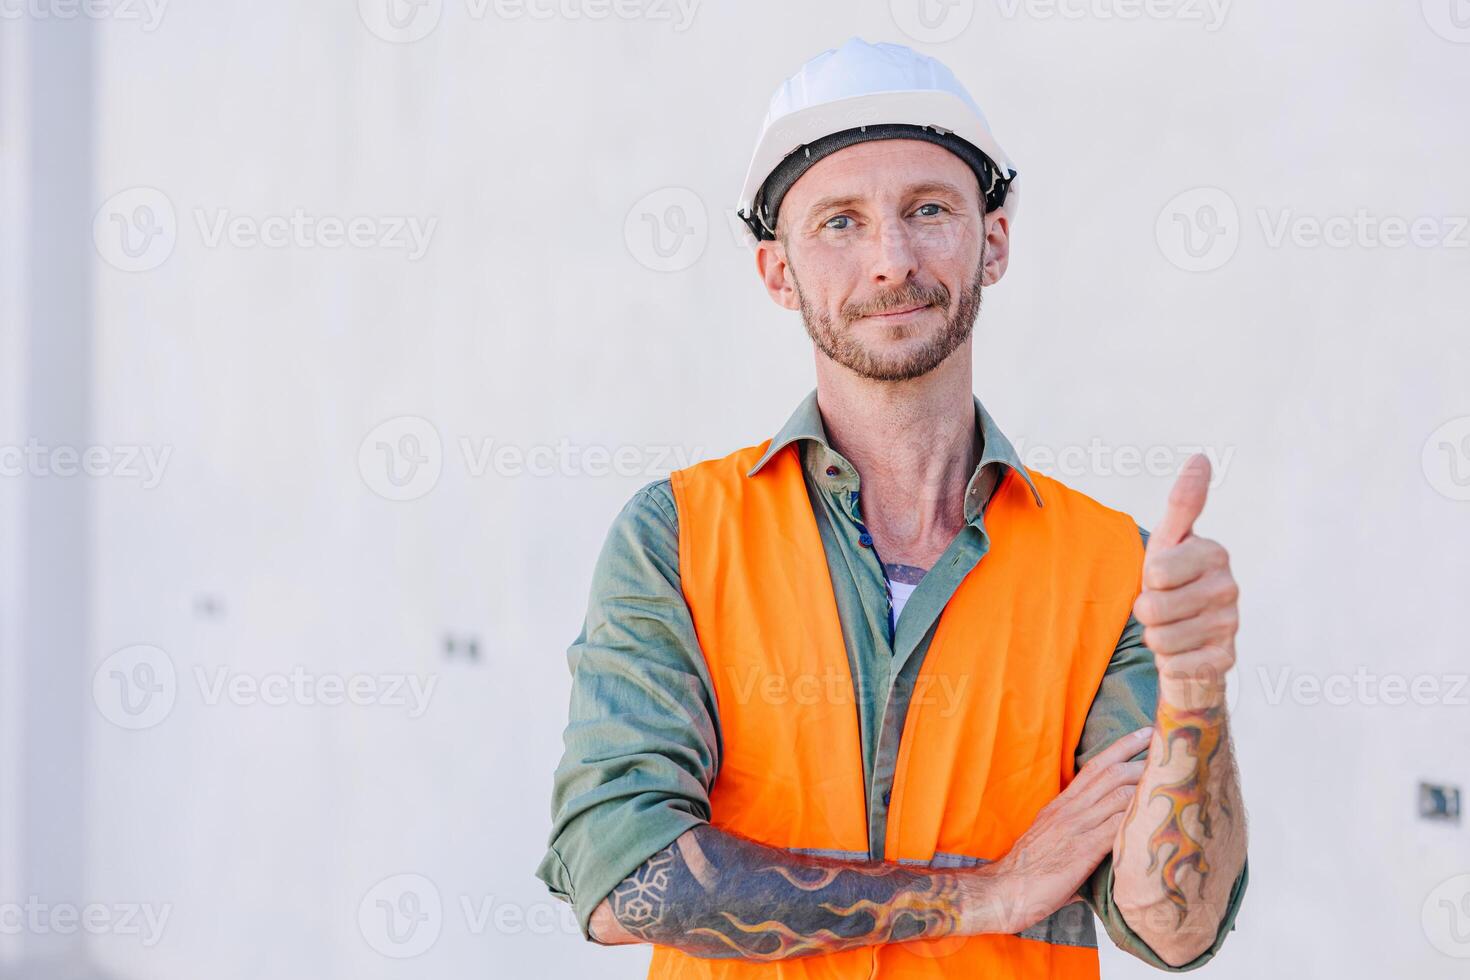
column 1156, row 571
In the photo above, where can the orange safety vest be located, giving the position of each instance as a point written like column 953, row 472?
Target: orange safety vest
column 1023, row 643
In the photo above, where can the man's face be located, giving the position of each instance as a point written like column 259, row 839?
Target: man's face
column 883, row 248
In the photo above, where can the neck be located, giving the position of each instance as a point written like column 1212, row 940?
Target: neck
column 915, row 447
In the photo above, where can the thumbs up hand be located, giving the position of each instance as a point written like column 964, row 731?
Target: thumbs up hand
column 1188, row 603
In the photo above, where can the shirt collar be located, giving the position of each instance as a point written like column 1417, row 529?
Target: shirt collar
column 805, row 424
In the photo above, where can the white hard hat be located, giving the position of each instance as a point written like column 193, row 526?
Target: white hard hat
column 860, row 92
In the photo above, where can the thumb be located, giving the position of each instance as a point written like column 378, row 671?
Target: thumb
column 1186, row 500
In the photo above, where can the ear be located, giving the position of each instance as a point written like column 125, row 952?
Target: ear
column 997, row 246
column 775, row 273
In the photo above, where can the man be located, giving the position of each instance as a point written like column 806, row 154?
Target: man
column 871, row 698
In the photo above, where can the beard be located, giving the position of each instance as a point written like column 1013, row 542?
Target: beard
column 843, row 346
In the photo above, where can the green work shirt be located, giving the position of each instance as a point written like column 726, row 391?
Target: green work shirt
column 643, row 737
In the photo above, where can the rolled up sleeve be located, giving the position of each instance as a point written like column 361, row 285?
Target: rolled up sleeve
column 641, row 742
column 1126, row 701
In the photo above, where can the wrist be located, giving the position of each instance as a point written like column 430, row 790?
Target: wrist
column 1192, row 693
column 990, row 900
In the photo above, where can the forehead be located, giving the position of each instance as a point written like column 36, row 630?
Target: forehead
column 879, row 169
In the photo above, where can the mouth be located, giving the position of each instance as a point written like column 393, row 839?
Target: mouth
column 897, row 314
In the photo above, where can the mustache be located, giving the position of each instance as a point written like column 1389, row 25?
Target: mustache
column 910, row 296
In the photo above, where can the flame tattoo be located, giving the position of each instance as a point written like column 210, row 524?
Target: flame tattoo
column 823, row 877
column 716, row 895
column 929, row 912
column 1202, row 733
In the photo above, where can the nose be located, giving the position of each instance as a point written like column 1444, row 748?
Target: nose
column 895, row 259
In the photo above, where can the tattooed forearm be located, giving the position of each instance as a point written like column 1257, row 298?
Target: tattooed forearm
column 715, row 895
column 1172, row 847
column 1183, row 843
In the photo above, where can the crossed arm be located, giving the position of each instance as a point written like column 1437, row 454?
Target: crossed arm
column 1172, row 822
column 712, row 894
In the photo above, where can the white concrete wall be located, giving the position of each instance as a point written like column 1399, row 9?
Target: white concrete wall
column 538, row 317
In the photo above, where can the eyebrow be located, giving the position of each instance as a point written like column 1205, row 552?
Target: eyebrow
column 847, row 200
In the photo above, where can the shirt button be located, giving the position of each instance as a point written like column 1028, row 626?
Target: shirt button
column 887, row 795
column 866, row 540
column 833, row 471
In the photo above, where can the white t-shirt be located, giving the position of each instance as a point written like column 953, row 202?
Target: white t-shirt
column 900, row 592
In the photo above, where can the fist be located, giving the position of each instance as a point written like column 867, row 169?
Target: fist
column 1188, row 602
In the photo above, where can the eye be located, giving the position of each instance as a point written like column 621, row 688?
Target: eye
column 837, row 217
column 925, row 212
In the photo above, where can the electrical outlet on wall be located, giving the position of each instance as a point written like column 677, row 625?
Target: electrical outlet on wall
column 1439, row 801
